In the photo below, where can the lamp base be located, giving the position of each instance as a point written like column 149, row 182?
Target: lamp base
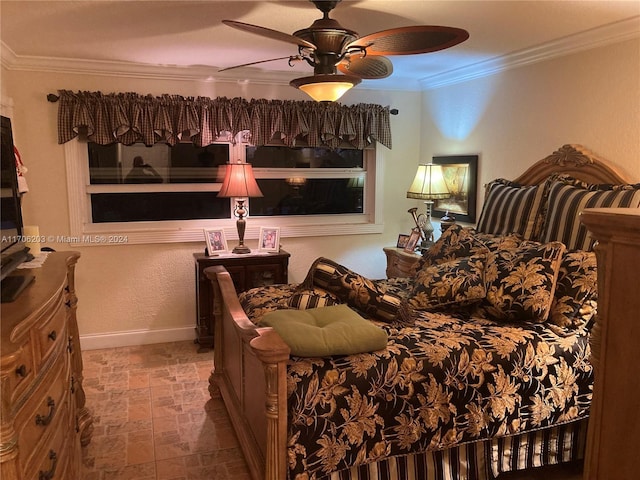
column 241, row 249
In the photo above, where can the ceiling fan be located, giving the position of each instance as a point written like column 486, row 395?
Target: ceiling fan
column 329, row 47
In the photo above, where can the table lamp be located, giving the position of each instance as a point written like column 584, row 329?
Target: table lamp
column 240, row 182
column 428, row 185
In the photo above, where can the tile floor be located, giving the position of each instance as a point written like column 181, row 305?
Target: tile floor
column 154, row 419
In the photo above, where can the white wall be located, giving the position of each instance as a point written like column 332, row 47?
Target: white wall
column 510, row 119
column 148, row 290
column 519, row 116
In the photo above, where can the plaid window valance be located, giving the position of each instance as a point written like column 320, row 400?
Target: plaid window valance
column 129, row 118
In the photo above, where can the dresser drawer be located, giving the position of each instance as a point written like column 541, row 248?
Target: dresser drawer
column 23, row 373
column 50, row 461
column 52, row 331
column 44, row 411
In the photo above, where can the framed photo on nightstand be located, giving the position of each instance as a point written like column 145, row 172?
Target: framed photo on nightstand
column 402, row 240
column 269, row 240
column 216, row 241
column 413, row 240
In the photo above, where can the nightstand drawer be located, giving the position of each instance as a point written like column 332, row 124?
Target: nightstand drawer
column 400, row 263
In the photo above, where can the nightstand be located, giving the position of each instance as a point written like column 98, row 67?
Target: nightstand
column 400, row 263
column 246, row 270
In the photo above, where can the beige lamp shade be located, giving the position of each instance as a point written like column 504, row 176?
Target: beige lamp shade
column 239, row 181
column 428, row 183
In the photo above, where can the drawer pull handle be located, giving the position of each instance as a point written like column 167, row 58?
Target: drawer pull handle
column 44, row 421
column 52, row 471
column 21, row 370
column 52, row 335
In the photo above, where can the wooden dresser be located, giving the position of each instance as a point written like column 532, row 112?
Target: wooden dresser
column 44, row 420
column 614, row 421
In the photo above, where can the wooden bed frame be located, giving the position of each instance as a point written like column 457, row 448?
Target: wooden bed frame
column 250, row 363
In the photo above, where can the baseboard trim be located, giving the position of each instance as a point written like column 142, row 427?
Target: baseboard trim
column 136, row 337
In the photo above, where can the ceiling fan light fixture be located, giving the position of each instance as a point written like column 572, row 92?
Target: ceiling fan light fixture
column 325, row 88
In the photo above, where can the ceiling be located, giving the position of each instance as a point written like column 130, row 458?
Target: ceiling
column 187, row 39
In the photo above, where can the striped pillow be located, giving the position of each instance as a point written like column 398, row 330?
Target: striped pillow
column 305, row 299
column 568, row 197
column 513, row 208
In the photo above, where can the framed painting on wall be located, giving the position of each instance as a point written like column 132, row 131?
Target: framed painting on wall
column 461, row 175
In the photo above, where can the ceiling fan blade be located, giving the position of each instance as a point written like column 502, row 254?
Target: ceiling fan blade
column 269, row 33
column 292, row 58
column 368, row 67
column 410, row 40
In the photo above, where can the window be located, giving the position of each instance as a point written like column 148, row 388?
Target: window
column 307, row 181
column 169, row 194
column 116, row 172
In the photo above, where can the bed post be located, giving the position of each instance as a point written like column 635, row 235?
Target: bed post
column 274, row 354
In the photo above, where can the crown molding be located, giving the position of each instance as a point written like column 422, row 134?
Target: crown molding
column 597, row 37
column 202, row 73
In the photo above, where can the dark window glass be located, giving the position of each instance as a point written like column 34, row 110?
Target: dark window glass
column 311, row 197
column 140, row 207
column 191, row 164
column 303, row 157
column 182, row 163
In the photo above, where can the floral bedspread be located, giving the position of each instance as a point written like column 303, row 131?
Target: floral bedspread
column 445, row 380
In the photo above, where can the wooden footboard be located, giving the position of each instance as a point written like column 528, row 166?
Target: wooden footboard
column 250, row 374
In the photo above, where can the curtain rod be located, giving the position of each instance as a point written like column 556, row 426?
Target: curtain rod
column 53, row 98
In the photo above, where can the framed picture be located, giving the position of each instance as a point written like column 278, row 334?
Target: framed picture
column 269, row 240
column 413, row 240
column 216, row 241
column 402, row 240
column 460, row 174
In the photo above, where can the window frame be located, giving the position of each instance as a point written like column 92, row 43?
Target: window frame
column 85, row 233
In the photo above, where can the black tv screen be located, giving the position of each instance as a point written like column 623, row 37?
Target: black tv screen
column 10, row 211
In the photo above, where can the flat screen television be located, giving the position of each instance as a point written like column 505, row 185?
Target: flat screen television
column 13, row 249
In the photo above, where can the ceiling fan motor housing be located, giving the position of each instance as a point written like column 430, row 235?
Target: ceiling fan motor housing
column 330, row 39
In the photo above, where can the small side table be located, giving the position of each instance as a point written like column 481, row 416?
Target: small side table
column 246, row 270
column 400, row 263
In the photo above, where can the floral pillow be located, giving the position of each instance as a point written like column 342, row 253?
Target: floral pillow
column 353, row 289
column 455, row 242
column 521, row 282
column 458, row 282
column 576, row 291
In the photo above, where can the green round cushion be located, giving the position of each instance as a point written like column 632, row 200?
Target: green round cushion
column 325, row 331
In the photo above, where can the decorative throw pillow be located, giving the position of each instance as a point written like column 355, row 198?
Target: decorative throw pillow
column 353, row 289
column 568, row 197
column 459, row 282
column 327, row 331
column 305, row 299
column 513, row 208
column 455, row 242
column 576, row 290
column 499, row 242
column 521, row 282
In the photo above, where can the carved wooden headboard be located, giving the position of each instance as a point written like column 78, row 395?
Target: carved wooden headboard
column 574, row 160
